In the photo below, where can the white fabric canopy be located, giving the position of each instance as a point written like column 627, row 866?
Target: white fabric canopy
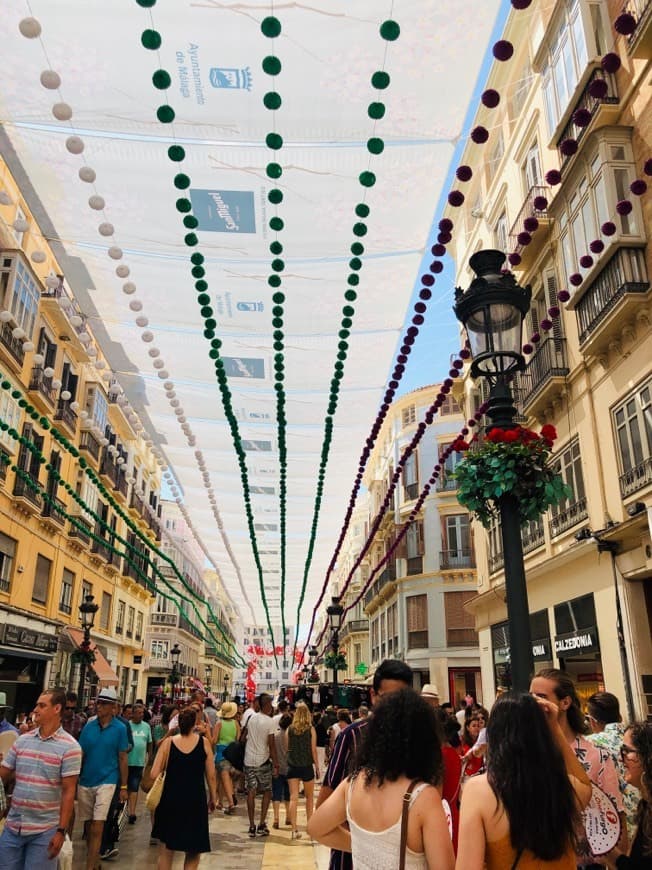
column 329, row 50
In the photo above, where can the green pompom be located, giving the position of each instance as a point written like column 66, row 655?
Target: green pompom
column 271, row 65
column 278, row 265
column 348, row 311
column 274, row 141
column 211, row 324
column 146, row 4
column 191, row 239
column 204, row 299
column 201, row 285
column 183, row 204
column 362, row 210
column 367, row 179
column 190, row 221
column 277, row 322
column 206, row 311
column 151, row 39
column 182, row 181
column 209, row 333
column 216, row 343
column 278, row 298
column 359, row 229
column 213, row 353
column 275, row 196
column 390, row 30
column 274, row 170
column 271, row 27
column 355, row 263
column 376, row 111
column 375, row 145
column 353, row 280
column 276, row 224
column 274, row 280
column 176, row 153
column 162, row 79
column 380, row 80
column 165, row 114
column 272, row 100
column 198, row 271
column 350, row 295
column 357, row 248
column 276, row 248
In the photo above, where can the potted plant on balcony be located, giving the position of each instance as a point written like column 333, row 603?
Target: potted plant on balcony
column 514, row 461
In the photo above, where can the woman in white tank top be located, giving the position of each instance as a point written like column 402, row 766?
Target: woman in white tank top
column 400, row 745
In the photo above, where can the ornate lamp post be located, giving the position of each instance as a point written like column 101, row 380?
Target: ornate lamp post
column 225, row 693
column 492, row 311
column 335, row 611
column 208, row 674
column 175, row 653
column 87, row 611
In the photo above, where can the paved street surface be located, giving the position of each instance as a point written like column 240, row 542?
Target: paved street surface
column 232, row 848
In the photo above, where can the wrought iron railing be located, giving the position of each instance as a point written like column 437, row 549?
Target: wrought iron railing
column 446, row 483
column 386, row 576
column 13, row 345
column 41, row 383
column 23, row 489
column 636, row 478
column 642, row 12
column 81, row 529
column 55, row 509
column 591, row 104
column 89, row 442
column 462, row 557
column 109, row 468
column 496, row 562
column 65, row 413
column 625, row 273
column 354, row 626
column 410, row 491
column 569, row 517
column 532, row 536
column 528, row 210
column 549, row 361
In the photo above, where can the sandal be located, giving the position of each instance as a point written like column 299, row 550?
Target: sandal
column 228, row 811
column 252, row 832
column 295, row 835
column 275, row 826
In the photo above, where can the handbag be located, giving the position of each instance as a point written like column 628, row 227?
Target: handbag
column 155, row 793
column 234, row 752
column 146, row 781
column 404, row 822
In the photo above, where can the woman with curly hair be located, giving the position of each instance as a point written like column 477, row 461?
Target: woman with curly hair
column 636, row 753
column 525, row 811
column 303, row 763
column 400, row 753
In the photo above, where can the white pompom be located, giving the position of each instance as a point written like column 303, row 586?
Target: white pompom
column 136, row 305
column 83, row 415
column 100, row 364
column 87, row 174
column 74, row 144
column 5, row 316
column 20, row 225
column 115, row 253
column 84, row 337
column 62, row 111
column 50, row 79
column 52, row 282
column 18, row 332
column 147, row 335
column 48, row 372
column 142, row 321
column 56, row 384
column 122, row 271
column 28, row 346
column 66, row 395
column 5, row 199
column 96, row 202
column 30, row 28
column 76, row 319
column 92, row 351
column 38, row 257
column 38, row 359
column 106, row 229
column 129, row 287
column 74, row 406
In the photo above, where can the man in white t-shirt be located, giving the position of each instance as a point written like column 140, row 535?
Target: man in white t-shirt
column 260, row 763
column 253, row 707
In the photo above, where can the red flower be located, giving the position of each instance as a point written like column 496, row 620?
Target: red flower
column 495, row 436
column 548, row 432
column 511, row 435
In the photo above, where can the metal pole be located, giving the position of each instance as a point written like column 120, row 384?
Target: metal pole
column 82, row 669
column 335, row 643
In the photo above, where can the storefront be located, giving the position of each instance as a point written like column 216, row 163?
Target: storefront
column 26, row 654
column 541, row 648
column 577, row 644
column 463, row 682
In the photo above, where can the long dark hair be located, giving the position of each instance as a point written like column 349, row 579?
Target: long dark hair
column 642, row 742
column 401, row 739
column 527, row 773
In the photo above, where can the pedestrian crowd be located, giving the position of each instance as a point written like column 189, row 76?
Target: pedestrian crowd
column 537, row 782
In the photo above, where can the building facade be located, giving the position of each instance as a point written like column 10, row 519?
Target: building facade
column 564, row 108
column 269, row 666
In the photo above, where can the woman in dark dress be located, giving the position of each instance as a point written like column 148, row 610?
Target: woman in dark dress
column 181, row 818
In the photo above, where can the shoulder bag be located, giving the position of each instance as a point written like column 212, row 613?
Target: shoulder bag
column 156, row 791
column 404, row 822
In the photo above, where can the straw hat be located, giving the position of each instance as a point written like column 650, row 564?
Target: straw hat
column 228, row 710
column 429, row 691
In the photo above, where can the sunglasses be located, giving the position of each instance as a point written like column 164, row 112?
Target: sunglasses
column 70, row 708
column 625, row 751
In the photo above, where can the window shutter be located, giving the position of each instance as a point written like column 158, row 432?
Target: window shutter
column 420, row 541
column 41, row 579
column 417, row 612
column 456, row 615
column 23, row 453
column 401, row 550
column 551, row 294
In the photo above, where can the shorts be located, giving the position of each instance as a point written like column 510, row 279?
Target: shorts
column 280, row 788
column 134, row 777
column 305, row 774
column 259, row 777
column 224, row 766
column 94, row 802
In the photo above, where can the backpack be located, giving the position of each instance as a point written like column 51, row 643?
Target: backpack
column 234, row 752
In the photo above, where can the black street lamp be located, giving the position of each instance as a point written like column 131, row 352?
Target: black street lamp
column 175, row 652
column 335, row 611
column 492, row 311
column 225, row 693
column 208, row 674
column 87, row 611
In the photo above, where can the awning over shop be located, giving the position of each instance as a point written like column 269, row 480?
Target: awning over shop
column 105, row 673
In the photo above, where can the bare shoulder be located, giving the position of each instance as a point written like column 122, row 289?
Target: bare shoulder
column 476, row 790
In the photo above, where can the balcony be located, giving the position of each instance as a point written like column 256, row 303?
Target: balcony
column 55, row 512
column 385, row 577
column 40, row 388
column 566, row 519
column 604, row 110
column 539, row 237
column 544, row 379
column 446, row 483
column 121, row 485
column 640, row 41
column 636, row 478
column 455, row 560
column 169, row 619
column 109, row 468
column 496, row 562
column 67, row 319
column 532, row 536
column 65, row 413
column 90, row 444
column 612, row 300
column 414, row 565
column 5, row 462
column 80, row 530
column 137, row 504
column 101, row 547
column 29, row 494
column 354, row 626
column 186, row 625
column 13, row 345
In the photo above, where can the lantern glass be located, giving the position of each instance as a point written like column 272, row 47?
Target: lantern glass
column 334, row 612
column 87, row 612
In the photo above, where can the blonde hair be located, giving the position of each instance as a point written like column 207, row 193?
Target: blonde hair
column 302, row 719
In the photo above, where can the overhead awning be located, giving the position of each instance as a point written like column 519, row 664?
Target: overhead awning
column 105, row 673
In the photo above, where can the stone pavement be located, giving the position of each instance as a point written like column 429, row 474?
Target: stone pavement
column 232, row 848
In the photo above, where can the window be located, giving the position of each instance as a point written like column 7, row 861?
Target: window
column 460, row 625
column 120, row 617
column 409, row 416
column 97, row 407
column 41, row 580
column 160, row 649
column 10, row 413
column 410, row 478
column 374, row 639
column 7, row 556
column 633, row 425
column 495, row 538
column 28, row 460
column 449, row 406
column 521, row 90
column 19, row 235
column 139, row 625
column 569, row 50
column 88, row 492
column 543, row 298
column 86, row 590
column 500, row 232
column 131, row 616
column 417, row 621
column 23, row 299
column 457, row 533
column 495, row 156
column 69, row 381
column 357, row 654
column 105, row 611
column 65, row 598
column 570, row 510
column 532, row 175
column 414, row 548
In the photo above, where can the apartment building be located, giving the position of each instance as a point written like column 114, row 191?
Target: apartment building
column 562, row 108
column 416, row 604
column 54, row 553
column 265, row 670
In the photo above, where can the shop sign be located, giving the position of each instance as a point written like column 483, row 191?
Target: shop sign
column 582, row 641
column 14, row 635
column 540, row 651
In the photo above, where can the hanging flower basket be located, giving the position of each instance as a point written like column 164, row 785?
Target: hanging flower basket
column 336, row 662
column 509, row 461
column 83, row 657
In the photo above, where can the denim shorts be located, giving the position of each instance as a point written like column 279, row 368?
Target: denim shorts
column 134, row 776
column 280, row 788
column 18, row 851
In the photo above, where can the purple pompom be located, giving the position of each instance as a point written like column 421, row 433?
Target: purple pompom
column 458, row 364
column 418, row 319
column 479, row 135
column 625, row 24
column 527, row 348
column 445, row 225
column 521, row 4
column 546, row 324
column 624, row 207
column 553, row 177
column 425, row 293
column 563, row 296
column 464, row 173
column 598, row 89
column 553, row 311
column 523, row 238
column 568, row 147
column 608, row 228
column 454, row 373
column 455, row 198
column 444, row 237
column 503, row 49
column 514, row 259
column 427, row 280
column 638, row 187
column 535, row 338
column 531, row 224
column 436, row 266
column 540, row 203
column 647, row 166
column 586, row 261
column 610, row 62
column 490, row 98
column 575, row 279
column 438, row 250
column 412, row 330
column 582, row 117
column 465, row 353
column 596, row 246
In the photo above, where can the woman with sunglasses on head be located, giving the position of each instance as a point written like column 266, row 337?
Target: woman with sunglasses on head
column 636, row 754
